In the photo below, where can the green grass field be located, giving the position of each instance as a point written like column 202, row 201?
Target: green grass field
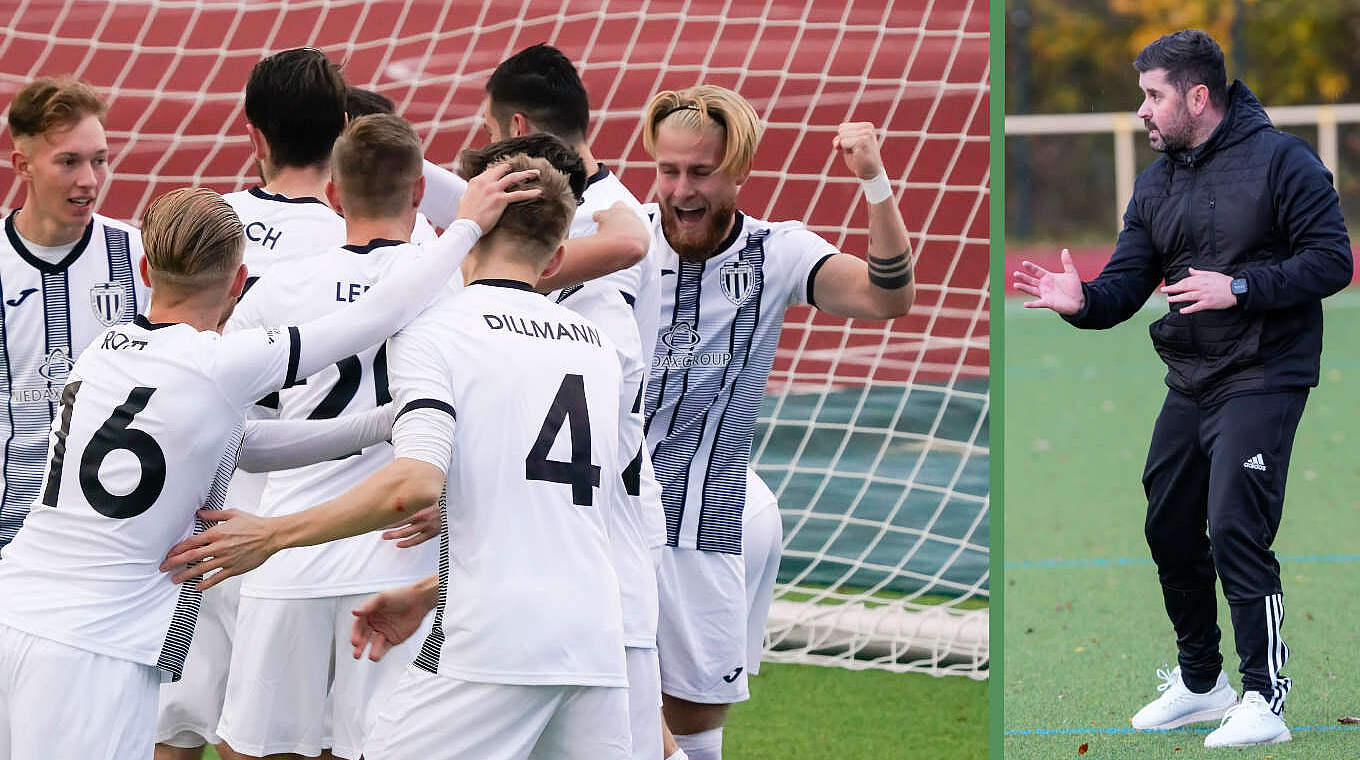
column 804, row 712
column 1084, row 626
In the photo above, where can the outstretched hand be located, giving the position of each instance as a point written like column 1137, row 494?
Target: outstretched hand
column 238, row 543
column 1059, row 291
column 487, row 197
column 387, row 619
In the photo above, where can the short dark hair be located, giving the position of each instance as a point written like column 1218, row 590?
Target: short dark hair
column 541, row 83
column 361, row 102
column 1190, row 57
column 296, row 98
column 563, row 158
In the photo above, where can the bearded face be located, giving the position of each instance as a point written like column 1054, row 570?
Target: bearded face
column 698, row 200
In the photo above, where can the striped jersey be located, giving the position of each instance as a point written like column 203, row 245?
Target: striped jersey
column 50, row 311
column 625, row 305
column 720, row 325
column 516, row 400
column 296, row 292
column 127, row 470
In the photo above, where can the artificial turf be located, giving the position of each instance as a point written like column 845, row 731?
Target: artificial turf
column 1084, row 625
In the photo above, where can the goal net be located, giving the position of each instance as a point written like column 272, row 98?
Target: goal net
column 874, row 436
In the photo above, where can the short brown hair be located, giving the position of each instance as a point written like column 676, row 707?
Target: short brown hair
column 533, row 229
column 192, row 238
column 702, row 106
column 50, row 102
column 375, row 164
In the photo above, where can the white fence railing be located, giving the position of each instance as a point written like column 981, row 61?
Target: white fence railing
column 1126, row 127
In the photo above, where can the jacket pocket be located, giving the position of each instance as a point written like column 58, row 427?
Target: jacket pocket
column 1207, row 344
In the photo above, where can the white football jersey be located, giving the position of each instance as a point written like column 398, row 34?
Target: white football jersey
column 126, row 474
column 297, row 292
column 50, row 312
column 720, row 325
column 517, row 400
column 621, row 304
column 279, row 228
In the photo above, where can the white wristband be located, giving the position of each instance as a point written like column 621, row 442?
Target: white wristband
column 878, row 189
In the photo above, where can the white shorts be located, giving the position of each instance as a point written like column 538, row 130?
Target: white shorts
column 644, row 702
column 432, row 716
column 701, row 631
column 57, row 701
column 294, row 684
column 190, row 707
column 762, row 539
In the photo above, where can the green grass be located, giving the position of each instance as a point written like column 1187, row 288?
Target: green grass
column 1084, row 636
column 806, row 712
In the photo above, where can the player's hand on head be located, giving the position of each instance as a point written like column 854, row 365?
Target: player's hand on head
column 416, row 529
column 239, row 542
column 857, row 143
column 620, row 221
column 385, row 620
column 1059, row 291
column 487, row 194
column 1202, row 291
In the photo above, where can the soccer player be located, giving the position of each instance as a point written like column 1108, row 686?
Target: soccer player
column 1242, row 223
column 726, row 280
column 66, row 273
column 526, row 655
column 150, row 423
column 537, row 91
column 295, row 109
column 307, row 595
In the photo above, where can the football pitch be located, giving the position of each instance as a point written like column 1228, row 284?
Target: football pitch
column 1084, row 626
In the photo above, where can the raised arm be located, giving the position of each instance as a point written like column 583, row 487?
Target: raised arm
column 880, row 288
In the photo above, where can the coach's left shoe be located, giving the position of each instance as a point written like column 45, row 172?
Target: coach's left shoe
column 1249, row 722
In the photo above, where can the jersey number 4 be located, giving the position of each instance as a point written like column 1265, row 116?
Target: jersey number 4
column 568, row 407
column 113, row 435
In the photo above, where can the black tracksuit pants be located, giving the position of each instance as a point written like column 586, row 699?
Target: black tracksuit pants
column 1215, row 481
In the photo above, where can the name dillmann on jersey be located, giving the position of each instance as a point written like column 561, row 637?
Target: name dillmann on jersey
column 532, row 328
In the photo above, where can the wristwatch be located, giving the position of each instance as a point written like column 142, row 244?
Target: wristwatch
column 1239, row 287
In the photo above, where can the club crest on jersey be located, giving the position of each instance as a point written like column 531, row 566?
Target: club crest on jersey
column 109, row 301
column 737, row 279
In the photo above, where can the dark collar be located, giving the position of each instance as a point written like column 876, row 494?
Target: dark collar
column 262, row 194
column 599, row 174
column 372, row 245
column 512, row 284
column 141, row 321
column 34, row 261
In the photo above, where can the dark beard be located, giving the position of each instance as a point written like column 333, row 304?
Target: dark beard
column 704, row 248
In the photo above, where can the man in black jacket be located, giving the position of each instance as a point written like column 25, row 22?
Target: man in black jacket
column 1243, row 225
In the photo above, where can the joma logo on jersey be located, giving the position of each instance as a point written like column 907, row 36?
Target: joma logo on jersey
column 737, row 280
column 109, row 302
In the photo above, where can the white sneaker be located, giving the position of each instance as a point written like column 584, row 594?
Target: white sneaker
column 1249, row 722
column 1178, row 706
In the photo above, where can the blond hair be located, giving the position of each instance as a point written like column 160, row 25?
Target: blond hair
column 533, row 229
column 192, row 238
column 700, row 107
column 375, row 163
column 51, row 102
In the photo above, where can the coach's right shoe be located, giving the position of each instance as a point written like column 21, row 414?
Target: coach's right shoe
column 1248, row 723
column 1178, row 706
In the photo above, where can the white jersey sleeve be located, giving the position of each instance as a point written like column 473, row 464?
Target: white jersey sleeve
column 272, row 444
column 443, row 191
column 421, row 382
column 802, row 254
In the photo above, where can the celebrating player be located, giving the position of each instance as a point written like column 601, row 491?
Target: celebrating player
column 66, row 273
column 526, row 654
column 150, row 422
column 308, row 594
column 1243, row 224
column 726, row 280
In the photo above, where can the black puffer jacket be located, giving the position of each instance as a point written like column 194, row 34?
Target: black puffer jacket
column 1251, row 202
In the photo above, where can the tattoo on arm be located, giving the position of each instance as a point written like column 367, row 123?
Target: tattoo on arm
column 892, row 273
